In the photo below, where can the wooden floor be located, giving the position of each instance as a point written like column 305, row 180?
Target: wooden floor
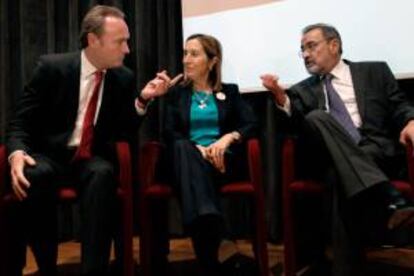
column 182, row 259
column 181, row 255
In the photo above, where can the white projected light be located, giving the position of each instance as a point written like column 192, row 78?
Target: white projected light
column 264, row 36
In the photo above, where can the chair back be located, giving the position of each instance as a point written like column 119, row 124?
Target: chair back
column 147, row 162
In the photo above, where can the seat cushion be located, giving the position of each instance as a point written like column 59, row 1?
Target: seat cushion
column 238, row 188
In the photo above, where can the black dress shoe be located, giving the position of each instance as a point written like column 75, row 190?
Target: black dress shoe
column 400, row 215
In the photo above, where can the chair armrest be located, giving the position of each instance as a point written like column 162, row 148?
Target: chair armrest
column 149, row 155
column 410, row 163
column 288, row 161
column 125, row 170
column 254, row 163
column 3, row 166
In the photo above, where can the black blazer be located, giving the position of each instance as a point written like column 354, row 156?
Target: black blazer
column 234, row 113
column 46, row 113
column 383, row 107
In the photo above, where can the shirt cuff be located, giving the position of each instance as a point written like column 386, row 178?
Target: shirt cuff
column 286, row 107
column 141, row 107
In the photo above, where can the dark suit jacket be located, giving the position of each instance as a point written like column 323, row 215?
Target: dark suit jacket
column 234, row 113
column 46, row 113
column 383, row 107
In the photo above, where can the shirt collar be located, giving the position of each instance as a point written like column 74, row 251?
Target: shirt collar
column 87, row 68
column 340, row 70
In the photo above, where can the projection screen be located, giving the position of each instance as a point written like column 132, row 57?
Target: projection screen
column 263, row 36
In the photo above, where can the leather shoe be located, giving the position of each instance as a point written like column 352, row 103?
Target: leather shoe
column 401, row 215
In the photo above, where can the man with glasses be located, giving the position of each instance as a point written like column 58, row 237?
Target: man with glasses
column 350, row 115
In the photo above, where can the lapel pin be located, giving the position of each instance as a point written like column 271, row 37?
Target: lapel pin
column 220, row 96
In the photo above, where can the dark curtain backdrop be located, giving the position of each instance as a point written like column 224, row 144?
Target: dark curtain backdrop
column 29, row 28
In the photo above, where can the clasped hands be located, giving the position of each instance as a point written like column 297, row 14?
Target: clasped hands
column 214, row 153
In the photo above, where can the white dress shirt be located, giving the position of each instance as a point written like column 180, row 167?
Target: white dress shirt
column 86, row 87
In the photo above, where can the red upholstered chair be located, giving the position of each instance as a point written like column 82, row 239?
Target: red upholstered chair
column 67, row 195
column 292, row 186
column 151, row 190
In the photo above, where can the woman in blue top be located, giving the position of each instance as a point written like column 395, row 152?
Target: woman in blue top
column 205, row 122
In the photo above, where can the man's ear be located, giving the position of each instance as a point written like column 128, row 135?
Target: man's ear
column 334, row 45
column 93, row 39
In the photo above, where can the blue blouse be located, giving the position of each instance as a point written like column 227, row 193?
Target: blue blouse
column 204, row 127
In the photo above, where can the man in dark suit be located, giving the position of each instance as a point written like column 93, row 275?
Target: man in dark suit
column 73, row 110
column 350, row 115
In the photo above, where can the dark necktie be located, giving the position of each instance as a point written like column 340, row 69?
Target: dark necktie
column 84, row 149
column 338, row 110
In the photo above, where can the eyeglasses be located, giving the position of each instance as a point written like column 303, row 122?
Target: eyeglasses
column 309, row 47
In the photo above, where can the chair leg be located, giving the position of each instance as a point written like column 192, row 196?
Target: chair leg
column 154, row 237
column 128, row 261
column 289, row 263
column 145, row 238
column 260, row 244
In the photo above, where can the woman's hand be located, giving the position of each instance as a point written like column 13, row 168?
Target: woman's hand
column 216, row 151
column 209, row 155
column 203, row 151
